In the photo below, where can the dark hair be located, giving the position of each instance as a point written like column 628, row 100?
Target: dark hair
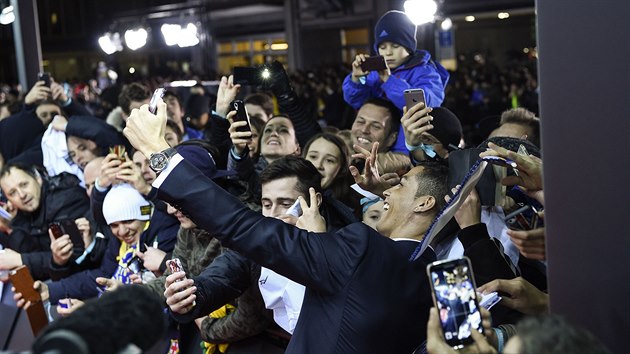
column 259, row 124
column 342, row 181
column 28, row 169
column 176, row 129
column 433, row 181
column 394, row 112
column 293, row 166
column 132, row 92
column 522, row 116
column 169, row 93
column 263, row 100
column 553, row 334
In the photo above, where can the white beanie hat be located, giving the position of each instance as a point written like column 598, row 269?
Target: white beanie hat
column 123, row 202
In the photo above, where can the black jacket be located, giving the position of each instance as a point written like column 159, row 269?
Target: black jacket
column 61, row 198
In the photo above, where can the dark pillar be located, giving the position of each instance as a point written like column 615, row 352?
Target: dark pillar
column 293, row 34
column 28, row 49
column 585, row 95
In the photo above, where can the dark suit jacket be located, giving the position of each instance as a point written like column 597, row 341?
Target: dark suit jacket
column 363, row 295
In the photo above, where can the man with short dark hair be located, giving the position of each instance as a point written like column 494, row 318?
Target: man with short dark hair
column 363, row 294
column 519, row 123
column 377, row 120
column 39, row 200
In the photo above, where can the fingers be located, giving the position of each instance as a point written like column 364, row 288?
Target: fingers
column 313, row 195
column 135, row 278
column 392, row 178
column 230, row 117
column 360, row 150
column 486, row 321
column 289, row 219
column 434, row 327
column 481, row 342
column 358, row 179
column 174, row 277
column 140, row 254
column 535, row 237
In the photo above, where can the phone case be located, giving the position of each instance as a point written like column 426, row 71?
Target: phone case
column 414, row 97
column 70, row 228
column 56, row 229
column 241, row 115
column 375, row 63
column 157, row 96
column 23, row 283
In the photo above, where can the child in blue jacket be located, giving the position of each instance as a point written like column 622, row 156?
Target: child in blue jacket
column 407, row 68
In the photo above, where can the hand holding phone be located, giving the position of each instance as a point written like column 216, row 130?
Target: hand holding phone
column 454, row 295
column 23, row 283
column 241, row 115
column 119, row 151
column 157, row 97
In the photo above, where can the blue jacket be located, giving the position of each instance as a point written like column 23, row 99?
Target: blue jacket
column 418, row 72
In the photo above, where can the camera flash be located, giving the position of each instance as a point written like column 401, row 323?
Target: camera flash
column 265, row 73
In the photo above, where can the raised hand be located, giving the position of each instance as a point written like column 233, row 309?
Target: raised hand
column 311, row 219
column 520, row 295
column 226, row 93
column 180, row 295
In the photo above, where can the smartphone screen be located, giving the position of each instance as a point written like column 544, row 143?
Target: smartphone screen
column 413, row 97
column 455, row 298
column 375, row 63
column 157, row 96
column 241, row 115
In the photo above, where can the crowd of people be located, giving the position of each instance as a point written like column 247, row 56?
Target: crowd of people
column 295, row 230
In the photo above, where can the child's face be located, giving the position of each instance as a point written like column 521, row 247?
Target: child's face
column 394, row 54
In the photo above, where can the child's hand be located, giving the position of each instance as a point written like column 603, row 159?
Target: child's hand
column 357, row 72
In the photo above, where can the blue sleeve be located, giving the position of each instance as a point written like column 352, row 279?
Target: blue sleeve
column 323, row 262
column 355, row 94
column 83, row 285
column 425, row 77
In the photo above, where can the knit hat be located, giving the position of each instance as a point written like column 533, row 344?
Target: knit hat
column 395, row 26
column 123, row 202
column 200, row 158
column 446, row 126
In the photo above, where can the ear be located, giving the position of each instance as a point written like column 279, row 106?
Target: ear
column 38, row 178
column 298, row 150
column 391, row 140
column 320, row 198
column 424, row 204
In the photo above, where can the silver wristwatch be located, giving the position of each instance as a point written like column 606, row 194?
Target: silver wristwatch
column 159, row 160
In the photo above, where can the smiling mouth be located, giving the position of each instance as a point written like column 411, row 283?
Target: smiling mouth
column 361, row 140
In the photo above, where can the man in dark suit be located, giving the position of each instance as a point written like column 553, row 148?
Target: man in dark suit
column 363, row 295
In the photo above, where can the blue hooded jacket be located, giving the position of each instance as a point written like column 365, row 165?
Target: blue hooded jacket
column 418, row 72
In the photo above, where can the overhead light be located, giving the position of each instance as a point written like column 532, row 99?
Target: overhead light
column 183, row 83
column 420, row 11
column 136, row 39
column 183, row 37
column 188, row 36
column 7, row 16
column 503, row 15
column 170, row 33
column 110, row 43
column 447, row 24
column 469, row 18
column 132, row 70
column 279, row 46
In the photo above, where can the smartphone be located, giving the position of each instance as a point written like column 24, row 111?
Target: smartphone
column 247, row 75
column 375, row 63
column 56, row 229
column 118, row 150
column 23, row 283
column 295, row 209
column 523, row 219
column 157, row 97
column 241, row 115
column 135, row 265
column 455, row 298
column 414, row 97
column 45, row 77
column 175, row 265
column 70, row 228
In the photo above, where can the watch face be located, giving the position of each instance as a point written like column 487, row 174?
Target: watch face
column 158, row 161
